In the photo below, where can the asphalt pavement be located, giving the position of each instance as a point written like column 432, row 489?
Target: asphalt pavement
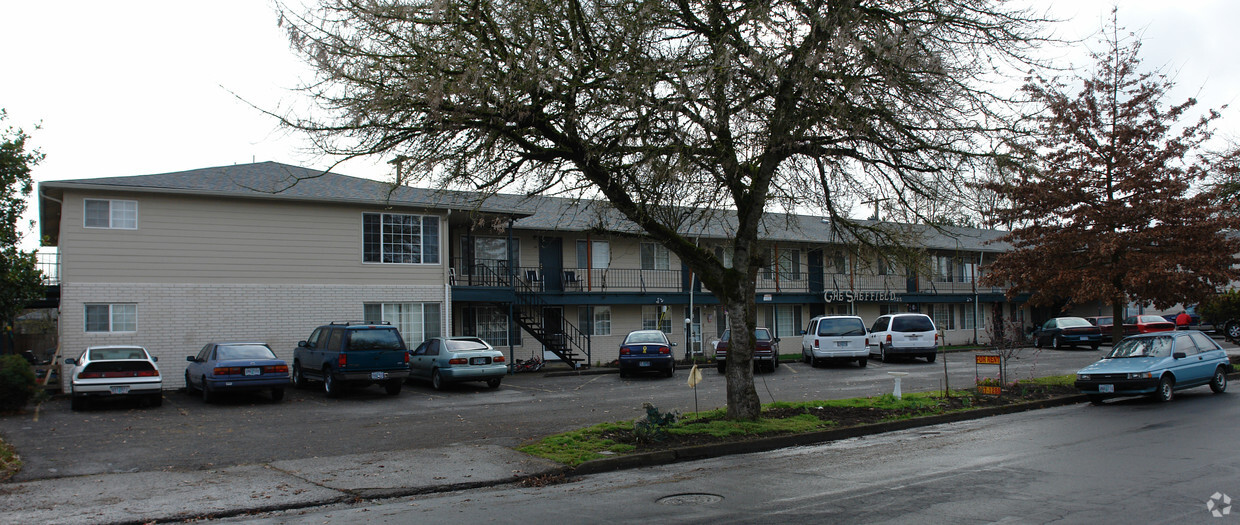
column 304, row 481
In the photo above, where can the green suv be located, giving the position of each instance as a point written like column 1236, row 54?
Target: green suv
column 354, row 353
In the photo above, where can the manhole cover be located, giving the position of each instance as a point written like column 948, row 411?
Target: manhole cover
column 691, row 499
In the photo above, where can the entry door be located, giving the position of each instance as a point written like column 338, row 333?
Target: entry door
column 551, row 257
column 553, row 322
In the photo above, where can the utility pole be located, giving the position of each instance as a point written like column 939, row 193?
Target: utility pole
column 874, row 201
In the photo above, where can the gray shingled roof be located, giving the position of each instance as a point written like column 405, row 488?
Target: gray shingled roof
column 272, row 180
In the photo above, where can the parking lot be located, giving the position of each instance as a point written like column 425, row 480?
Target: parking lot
column 186, row 434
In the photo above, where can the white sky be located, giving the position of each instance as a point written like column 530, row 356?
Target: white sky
column 134, row 87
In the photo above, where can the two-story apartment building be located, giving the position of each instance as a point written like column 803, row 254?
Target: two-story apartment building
column 267, row 251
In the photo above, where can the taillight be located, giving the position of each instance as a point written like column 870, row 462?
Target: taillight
column 665, row 350
column 498, row 359
column 276, row 369
column 815, row 343
column 100, row 375
column 341, row 360
column 406, row 357
column 458, row 361
column 227, row 371
column 624, row 350
column 889, row 337
column 936, row 338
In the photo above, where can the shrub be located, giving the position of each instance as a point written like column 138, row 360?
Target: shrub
column 654, row 427
column 1221, row 307
column 17, row 383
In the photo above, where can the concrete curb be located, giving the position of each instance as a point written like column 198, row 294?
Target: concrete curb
column 813, row 438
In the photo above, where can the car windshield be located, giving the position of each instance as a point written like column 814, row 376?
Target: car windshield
column 912, row 323
column 244, row 352
column 374, row 340
column 1072, row 322
column 104, row 354
column 841, row 327
column 1142, row 347
column 761, row 334
column 465, row 345
column 646, row 336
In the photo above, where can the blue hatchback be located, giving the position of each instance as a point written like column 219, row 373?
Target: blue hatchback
column 647, row 351
column 1156, row 364
column 236, row 367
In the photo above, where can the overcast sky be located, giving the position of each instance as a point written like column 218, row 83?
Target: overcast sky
column 133, row 87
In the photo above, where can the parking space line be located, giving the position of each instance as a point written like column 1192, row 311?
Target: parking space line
column 509, row 385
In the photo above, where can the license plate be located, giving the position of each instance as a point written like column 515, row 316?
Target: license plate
column 253, row 371
column 478, row 361
column 378, row 375
column 119, row 389
column 643, row 363
column 841, row 343
column 1106, row 389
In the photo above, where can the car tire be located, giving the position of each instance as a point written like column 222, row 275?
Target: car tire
column 1095, row 346
column 493, row 382
column 882, row 353
column 623, row 374
column 1037, row 342
column 277, row 394
column 722, row 368
column 437, row 380
column 157, row 400
column 1231, row 330
column 813, row 361
column 1096, row 399
column 207, row 396
column 862, row 362
column 671, row 371
column 1218, row 384
column 804, row 358
column 392, row 387
column 189, row 387
column 77, row 403
column 1166, row 389
column 330, row 385
column 931, row 357
column 299, row 377
column 1056, row 343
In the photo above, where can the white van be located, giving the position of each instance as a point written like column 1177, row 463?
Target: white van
column 835, row 338
column 905, row 335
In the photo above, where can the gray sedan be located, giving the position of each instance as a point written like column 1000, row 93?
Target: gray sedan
column 443, row 360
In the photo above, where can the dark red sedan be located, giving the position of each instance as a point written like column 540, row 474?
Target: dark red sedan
column 1144, row 324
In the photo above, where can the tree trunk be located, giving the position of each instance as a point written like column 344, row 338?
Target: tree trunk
column 1117, row 319
column 743, row 402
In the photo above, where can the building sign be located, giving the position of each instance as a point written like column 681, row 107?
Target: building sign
column 849, row 296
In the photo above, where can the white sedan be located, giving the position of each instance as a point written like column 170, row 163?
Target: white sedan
column 115, row 371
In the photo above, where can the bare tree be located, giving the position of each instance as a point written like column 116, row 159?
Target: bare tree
column 677, row 113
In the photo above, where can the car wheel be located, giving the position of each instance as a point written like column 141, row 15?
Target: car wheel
column 804, row 358
column 330, row 385
column 1037, row 342
column 882, row 353
column 1096, row 398
column 436, row 380
column 1095, row 346
column 277, row 394
column 1219, row 383
column 207, row 395
column 392, row 387
column 1232, row 330
column 722, row 368
column 157, row 400
column 1055, row 342
column 493, row 382
column 671, row 371
column 862, row 362
column 299, row 378
column 1166, row 389
column 77, row 403
column 189, row 387
column 623, row 374
column 931, row 357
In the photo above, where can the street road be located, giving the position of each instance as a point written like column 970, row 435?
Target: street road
column 186, row 434
column 1130, row 461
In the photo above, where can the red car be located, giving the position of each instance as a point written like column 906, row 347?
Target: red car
column 1144, row 324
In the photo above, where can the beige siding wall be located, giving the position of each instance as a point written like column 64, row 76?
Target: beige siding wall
column 194, row 239
column 176, row 320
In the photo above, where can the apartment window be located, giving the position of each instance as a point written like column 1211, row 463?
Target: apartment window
column 655, row 256
column 656, row 318
column 491, row 324
column 785, row 320
column 492, row 252
column 400, row 239
column 724, row 254
column 111, row 317
column 790, row 264
column 837, row 263
column 593, row 254
column 114, row 214
column 944, row 316
column 417, row 322
column 594, row 320
column 967, row 322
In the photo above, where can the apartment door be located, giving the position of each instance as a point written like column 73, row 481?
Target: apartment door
column 553, row 323
column 551, row 257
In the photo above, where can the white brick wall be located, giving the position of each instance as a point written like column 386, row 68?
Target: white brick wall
column 176, row 320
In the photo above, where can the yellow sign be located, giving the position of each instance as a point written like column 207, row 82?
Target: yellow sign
column 695, row 376
column 987, row 359
column 990, row 390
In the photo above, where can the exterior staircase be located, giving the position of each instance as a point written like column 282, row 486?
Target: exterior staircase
column 569, row 343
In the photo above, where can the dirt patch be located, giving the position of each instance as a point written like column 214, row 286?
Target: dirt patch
column 843, row 417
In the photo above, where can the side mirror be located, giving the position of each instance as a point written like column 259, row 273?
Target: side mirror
column 301, row 344
column 803, row 332
column 1179, row 355
column 775, row 339
column 155, row 358
column 70, row 361
column 673, row 343
column 192, row 359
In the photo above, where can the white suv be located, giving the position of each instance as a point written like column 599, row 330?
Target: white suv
column 911, row 335
column 836, row 338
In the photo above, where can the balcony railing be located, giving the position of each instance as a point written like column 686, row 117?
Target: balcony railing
column 49, row 264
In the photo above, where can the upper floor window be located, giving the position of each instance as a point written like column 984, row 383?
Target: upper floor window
column 593, row 254
column 655, row 256
column 120, row 215
column 400, row 239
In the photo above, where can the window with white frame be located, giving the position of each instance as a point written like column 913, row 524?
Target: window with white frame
column 837, row 262
column 114, row 214
column 593, row 254
column 396, row 238
column 654, row 256
column 602, row 320
column 785, row 319
column 417, row 322
column 656, row 318
column 115, row 317
column 490, row 324
column 944, row 316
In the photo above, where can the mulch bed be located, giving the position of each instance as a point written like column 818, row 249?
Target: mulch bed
column 847, row 416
